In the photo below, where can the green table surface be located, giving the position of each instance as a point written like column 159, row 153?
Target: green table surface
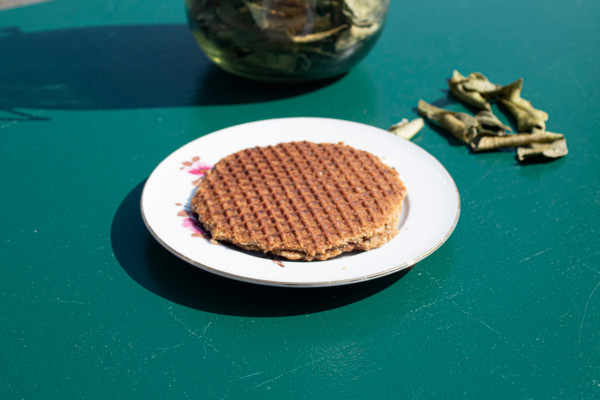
column 94, row 94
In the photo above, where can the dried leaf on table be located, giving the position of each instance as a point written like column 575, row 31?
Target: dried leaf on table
column 528, row 118
column 463, row 126
column 487, row 143
column 488, row 120
column 470, row 88
column 484, row 131
column 406, row 129
column 541, row 151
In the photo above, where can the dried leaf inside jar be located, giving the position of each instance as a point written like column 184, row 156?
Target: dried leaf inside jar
column 363, row 12
column 277, row 15
column 295, row 38
column 354, row 36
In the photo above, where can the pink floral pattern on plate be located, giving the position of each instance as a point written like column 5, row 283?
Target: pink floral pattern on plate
column 198, row 169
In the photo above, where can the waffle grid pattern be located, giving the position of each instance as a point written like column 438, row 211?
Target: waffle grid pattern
column 298, row 196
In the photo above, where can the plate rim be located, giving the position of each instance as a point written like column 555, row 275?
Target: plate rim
column 407, row 264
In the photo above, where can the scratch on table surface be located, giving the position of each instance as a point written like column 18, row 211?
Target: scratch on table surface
column 488, row 200
column 502, row 337
column 206, row 342
column 446, row 371
column 536, row 254
column 100, row 248
column 287, row 373
column 6, row 125
column 487, row 173
column 432, row 303
column 482, row 322
column 246, row 376
column 165, row 349
column 419, row 392
column 572, row 78
column 29, row 150
column 587, row 304
column 206, row 327
column 71, row 301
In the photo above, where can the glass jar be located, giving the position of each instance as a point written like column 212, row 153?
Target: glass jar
column 286, row 40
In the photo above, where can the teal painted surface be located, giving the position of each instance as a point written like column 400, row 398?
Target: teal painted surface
column 94, row 95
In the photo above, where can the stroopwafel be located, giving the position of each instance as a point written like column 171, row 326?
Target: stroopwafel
column 301, row 200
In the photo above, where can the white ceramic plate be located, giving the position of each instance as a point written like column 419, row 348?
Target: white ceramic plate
column 430, row 211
